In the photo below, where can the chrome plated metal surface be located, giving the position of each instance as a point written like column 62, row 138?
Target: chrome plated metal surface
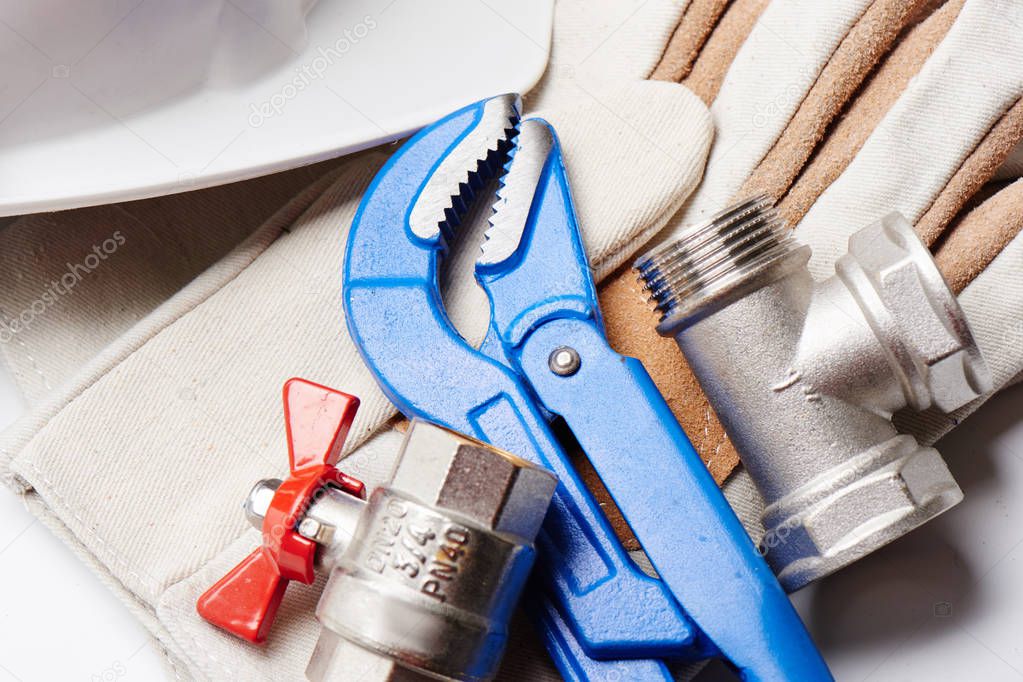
column 805, row 376
column 424, row 576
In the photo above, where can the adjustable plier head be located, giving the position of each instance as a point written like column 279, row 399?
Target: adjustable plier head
column 532, row 263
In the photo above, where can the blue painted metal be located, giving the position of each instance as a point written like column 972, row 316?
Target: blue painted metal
column 595, row 604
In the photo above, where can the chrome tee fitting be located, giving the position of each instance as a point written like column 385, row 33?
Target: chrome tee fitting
column 805, row 375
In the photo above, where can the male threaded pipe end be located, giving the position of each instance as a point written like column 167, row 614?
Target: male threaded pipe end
column 716, row 261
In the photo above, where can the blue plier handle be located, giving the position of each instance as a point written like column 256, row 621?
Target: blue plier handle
column 602, row 618
column 396, row 316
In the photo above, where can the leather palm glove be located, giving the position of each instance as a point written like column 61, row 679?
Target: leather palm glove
column 154, row 379
column 843, row 112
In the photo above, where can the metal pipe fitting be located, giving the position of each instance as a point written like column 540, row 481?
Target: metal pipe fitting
column 424, row 575
column 805, row 375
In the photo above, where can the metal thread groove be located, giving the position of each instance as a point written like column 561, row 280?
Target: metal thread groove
column 713, row 256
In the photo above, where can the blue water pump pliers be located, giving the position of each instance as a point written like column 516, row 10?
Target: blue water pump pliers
column 545, row 358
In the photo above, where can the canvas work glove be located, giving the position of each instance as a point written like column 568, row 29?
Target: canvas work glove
column 843, row 112
column 154, row 379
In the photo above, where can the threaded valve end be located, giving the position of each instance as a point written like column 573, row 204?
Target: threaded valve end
column 715, row 257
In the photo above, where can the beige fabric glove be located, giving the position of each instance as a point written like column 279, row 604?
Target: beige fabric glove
column 148, row 429
column 844, row 111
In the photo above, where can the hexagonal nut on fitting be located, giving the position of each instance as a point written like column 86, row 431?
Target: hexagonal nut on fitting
column 853, row 510
column 914, row 314
column 492, row 488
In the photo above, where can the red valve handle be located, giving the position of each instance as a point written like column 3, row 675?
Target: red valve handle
column 245, row 601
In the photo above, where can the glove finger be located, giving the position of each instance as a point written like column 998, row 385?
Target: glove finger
column 862, row 116
column 718, row 52
column 762, row 90
column 967, row 85
column 865, row 112
column 973, row 242
column 700, row 18
column 979, row 167
column 867, row 41
column 634, row 151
